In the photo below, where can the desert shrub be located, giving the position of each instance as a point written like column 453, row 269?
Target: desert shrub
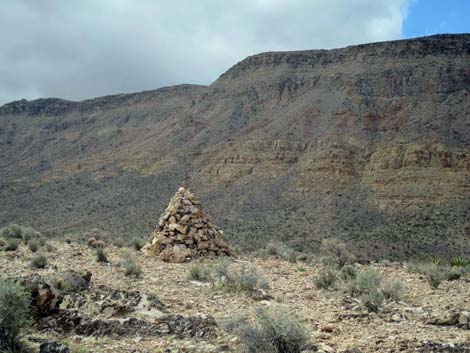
column 11, row 231
column 12, row 244
column 39, row 261
column 366, row 282
column 274, row 330
column 303, row 258
column 326, row 279
column 219, row 268
column 393, row 290
column 348, row 273
column 137, row 244
column 454, row 273
column 20, row 232
column 218, row 272
column 338, row 251
column 131, row 268
column 215, row 271
column 50, row 248
column 198, row 272
column 33, row 245
column 28, row 233
column 281, row 251
column 101, row 255
column 459, row 261
column 245, row 280
column 372, row 300
column 434, row 275
column 14, row 314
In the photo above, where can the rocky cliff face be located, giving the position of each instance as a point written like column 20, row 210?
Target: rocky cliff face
column 370, row 143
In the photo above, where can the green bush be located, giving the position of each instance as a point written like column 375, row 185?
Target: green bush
column 372, row 301
column 245, row 280
column 274, row 330
column 326, row 279
column 366, row 282
column 28, row 233
column 12, row 244
column 39, row 261
column 219, row 274
column 459, row 261
column 12, row 231
column 281, row 250
column 101, row 255
column 337, row 251
column 137, row 244
column 198, row 272
column 14, row 313
column 33, row 245
column 393, row 290
column 50, row 248
column 454, row 273
column 131, row 268
column 348, row 273
column 219, row 269
column 434, row 275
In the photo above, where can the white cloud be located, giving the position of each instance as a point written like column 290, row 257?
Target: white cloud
column 79, row 49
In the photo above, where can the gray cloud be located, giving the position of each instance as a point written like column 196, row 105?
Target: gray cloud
column 88, row 48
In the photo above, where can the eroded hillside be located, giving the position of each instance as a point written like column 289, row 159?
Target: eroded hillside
column 369, row 143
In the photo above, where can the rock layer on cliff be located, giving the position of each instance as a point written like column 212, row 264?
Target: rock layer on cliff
column 184, row 232
column 368, row 143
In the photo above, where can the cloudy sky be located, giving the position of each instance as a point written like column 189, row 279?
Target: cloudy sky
column 87, row 48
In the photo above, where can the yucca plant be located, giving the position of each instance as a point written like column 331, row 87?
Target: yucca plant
column 459, row 261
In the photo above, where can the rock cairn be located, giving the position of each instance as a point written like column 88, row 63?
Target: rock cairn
column 185, row 232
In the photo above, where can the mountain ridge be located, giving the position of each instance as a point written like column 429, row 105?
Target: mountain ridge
column 368, row 143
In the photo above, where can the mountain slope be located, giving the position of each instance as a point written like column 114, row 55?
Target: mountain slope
column 370, row 143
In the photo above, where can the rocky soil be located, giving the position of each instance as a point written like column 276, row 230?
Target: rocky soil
column 164, row 311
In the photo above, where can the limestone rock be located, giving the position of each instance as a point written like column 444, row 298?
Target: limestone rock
column 185, row 232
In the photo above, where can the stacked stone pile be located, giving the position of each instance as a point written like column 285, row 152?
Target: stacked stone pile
column 185, row 232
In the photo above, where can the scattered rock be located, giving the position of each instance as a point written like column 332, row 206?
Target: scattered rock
column 434, row 347
column 114, row 303
column 70, row 321
column 451, row 317
column 184, row 232
column 53, row 347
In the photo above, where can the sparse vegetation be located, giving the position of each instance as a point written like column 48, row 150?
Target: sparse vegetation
column 131, row 267
column 372, row 301
column 459, row 261
column 33, row 245
column 393, row 290
column 39, row 261
column 137, row 244
column 14, row 314
column 348, row 272
column 218, row 272
column 434, row 275
column 274, row 330
column 198, row 272
column 280, row 250
column 101, row 255
column 12, row 244
column 366, row 282
column 326, row 279
column 337, row 251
